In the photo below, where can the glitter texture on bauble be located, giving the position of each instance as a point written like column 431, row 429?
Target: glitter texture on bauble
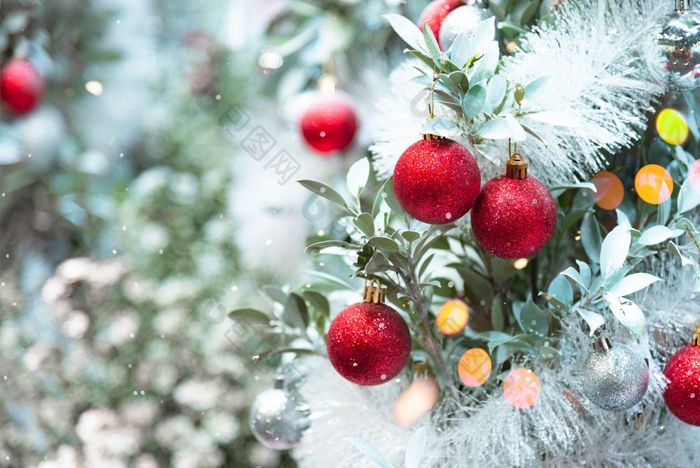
column 368, row 343
column 682, row 393
column 615, row 378
column 436, row 180
column 515, row 215
column 279, row 417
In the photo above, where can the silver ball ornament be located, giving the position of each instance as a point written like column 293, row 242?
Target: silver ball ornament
column 679, row 44
column 615, row 378
column 279, row 417
column 463, row 19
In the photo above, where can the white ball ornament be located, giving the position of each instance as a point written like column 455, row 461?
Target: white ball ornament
column 463, row 19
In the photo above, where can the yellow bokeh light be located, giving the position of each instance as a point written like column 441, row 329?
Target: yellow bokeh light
column 452, row 317
column 672, row 127
column 94, row 87
column 520, row 263
column 609, row 190
column 653, row 184
column 522, row 388
column 474, row 367
column 415, row 401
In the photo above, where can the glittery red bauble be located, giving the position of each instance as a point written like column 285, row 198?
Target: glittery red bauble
column 683, row 391
column 21, row 86
column 329, row 123
column 514, row 218
column 434, row 14
column 436, row 181
column 368, row 344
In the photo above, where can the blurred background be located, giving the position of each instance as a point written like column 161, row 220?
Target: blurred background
column 148, row 174
column 147, row 188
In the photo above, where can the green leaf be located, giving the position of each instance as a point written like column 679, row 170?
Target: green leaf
column 593, row 319
column 590, row 237
column 318, row 301
column 486, row 66
column 627, row 313
column 561, row 289
column 410, row 236
column 497, row 318
column 317, row 246
column 633, row 283
column 384, row 243
column 658, row 234
column 664, row 212
column 365, row 224
column 688, row 197
column 357, row 176
column 295, row 312
column 326, row 192
column 474, row 101
column 532, row 319
column 249, row 315
column 502, row 128
column 275, row 294
column 533, row 88
column 407, row 31
column 495, row 94
column 377, row 264
column 614, row 250
column 441, row 127
column 432, row 45
column 574, row 275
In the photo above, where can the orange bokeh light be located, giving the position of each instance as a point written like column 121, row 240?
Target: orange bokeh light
column 452, row 317
column 474, row 367
column 522, row 388
column 653, row 184
column 415, row 401
column 609, row 190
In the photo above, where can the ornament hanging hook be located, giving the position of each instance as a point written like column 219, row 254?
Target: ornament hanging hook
column 374, row 291
column 516, row 167
column 695, row 341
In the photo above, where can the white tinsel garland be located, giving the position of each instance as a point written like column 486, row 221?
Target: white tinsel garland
column 561, row 429
column 596, row 78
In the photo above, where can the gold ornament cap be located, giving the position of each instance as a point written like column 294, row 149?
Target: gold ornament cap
column 516, row 167
column 601, row 343
column 695, row 341
column 374, row 292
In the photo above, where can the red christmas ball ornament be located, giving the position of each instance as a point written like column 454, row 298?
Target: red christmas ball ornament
column 329, row 124
column 515, row 215
column 435, row 13
column 436, row 180
column 682, row 394
column 21, row 86
column 369, row 343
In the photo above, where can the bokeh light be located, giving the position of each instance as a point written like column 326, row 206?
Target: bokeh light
column 521, row 388
column 415, row 401
column 653, row 184
column 672, row 127
column 474, row 367
column 521, row 263
column 694, row 176
column 609, row 190
column 452, row 317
